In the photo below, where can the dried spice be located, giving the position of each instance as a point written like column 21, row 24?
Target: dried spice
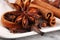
column 55, row 3
column 52, row 21
column 23, row 19
column 56, row 11
column 27, row 17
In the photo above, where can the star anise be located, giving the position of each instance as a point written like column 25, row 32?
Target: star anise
column 29, row 16
column 26, row 17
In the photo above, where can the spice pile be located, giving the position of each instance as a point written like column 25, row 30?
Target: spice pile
column 29, row 16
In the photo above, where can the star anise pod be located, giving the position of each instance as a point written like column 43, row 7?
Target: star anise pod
column 25, row 16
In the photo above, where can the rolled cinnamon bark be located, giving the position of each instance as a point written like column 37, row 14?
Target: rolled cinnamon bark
column 45, row 12
column 52, row 21
column 48, row 6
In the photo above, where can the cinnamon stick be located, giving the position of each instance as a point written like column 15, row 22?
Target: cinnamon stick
column 48, row 6
column 45, row 12
column 52, row 21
